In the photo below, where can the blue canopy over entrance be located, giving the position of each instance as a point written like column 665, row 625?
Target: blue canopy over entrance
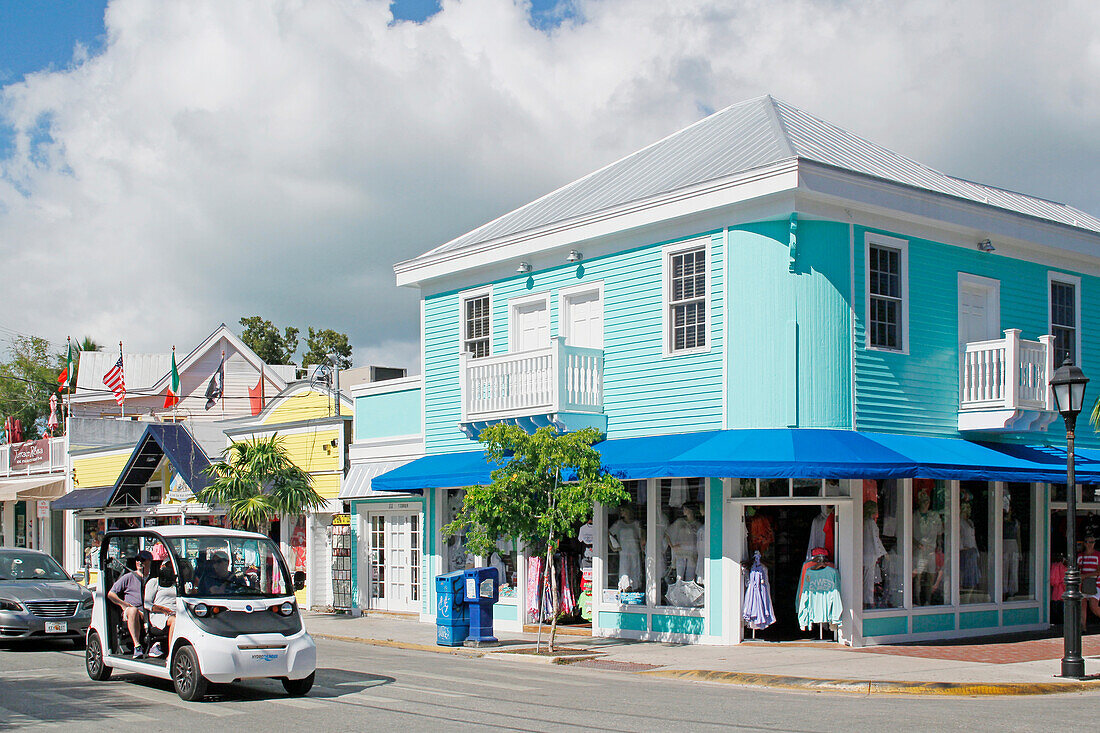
column 782, row 453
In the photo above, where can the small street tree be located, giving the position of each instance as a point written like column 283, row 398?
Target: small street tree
column 256, row 482
column 546, row 487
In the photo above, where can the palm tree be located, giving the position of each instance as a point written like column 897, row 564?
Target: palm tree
column 257, row 482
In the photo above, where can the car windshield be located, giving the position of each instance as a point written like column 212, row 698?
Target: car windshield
column 230, row 566
column 29, row 566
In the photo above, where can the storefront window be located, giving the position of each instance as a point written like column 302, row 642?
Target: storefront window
column 682, row 551
column 883, row 576
column 1018, row 543
column 455, row 556
column 931, row 543
column 626, row 544
column 91, row 535
column 976, row 537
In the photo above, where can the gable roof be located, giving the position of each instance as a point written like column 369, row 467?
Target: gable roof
column 148, row 374
column 741, row 138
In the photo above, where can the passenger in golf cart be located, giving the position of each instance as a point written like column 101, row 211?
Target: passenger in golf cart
column 128, row 593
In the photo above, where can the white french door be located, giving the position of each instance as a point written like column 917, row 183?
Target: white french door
column 530, row 325
column 582, row 319
column 393, row 554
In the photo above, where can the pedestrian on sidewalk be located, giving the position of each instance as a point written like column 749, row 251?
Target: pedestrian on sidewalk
column 1089, row 563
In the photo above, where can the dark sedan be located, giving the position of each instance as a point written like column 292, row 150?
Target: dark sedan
column 38, row 599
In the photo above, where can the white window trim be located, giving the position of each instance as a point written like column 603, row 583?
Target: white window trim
column 708, row 302
column 871, row 239
column 571, row 291
column 993, row 286
column 519, row 302
column 1075, row 281
column 462, row 298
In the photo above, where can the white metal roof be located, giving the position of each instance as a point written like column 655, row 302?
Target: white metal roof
column 746, row 136
column 140, row 371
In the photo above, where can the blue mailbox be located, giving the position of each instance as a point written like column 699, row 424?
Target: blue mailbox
column 481, row 590
column 452, row 616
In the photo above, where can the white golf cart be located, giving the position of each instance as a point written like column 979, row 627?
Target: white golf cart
column 236, row 617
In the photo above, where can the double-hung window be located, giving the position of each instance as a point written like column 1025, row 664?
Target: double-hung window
column 1063, row 318
column 887, row 294
column 686, row 296
column 475, row 325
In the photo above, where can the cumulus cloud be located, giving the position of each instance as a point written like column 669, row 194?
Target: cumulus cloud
column 277, row 157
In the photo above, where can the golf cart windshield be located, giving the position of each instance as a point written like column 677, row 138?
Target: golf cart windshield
column 230, row 567
column 16, row 565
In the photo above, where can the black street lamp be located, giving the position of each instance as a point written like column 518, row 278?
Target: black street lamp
column 1068, row 385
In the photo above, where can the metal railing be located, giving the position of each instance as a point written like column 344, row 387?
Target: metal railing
column 33, row 457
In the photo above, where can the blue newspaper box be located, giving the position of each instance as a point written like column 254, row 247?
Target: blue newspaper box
column 481, row 590
column 452, row 617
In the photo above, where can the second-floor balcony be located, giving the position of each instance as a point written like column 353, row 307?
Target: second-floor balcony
column 33, row 457
column 543, row 386
column 1004, row 384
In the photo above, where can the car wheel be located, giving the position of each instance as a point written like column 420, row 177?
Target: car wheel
column 186, row 675
column 297, row 688
column 93, row 659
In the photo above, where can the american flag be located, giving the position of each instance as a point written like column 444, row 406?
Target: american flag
column 115, row 382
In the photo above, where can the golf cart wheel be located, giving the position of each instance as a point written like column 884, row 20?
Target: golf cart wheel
column 186, row 675
column 93, row 659
column 297, row 688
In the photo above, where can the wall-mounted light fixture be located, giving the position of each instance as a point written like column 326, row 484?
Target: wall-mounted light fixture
column 574, row 256
column 986, row 246
column 524, row 268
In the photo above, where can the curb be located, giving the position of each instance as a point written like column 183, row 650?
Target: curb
column 782, row 682
column 878, row 687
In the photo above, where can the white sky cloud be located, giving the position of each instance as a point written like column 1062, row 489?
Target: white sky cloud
column 277, row 157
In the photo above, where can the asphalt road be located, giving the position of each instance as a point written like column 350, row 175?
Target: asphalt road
column 363, row 687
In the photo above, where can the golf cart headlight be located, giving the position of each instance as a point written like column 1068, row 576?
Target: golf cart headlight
column 6, row 605
column 287, row 608
column 88, row 603
column 200, row 610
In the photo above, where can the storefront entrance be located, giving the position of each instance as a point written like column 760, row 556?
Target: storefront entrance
column 784, row 535
column 392, row 560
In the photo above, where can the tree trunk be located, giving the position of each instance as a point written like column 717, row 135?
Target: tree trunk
column 553, row 597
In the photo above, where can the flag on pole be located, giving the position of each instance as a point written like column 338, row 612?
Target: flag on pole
column 115, row 381
column 66, row 377
column 173, row 397
column 217, row 384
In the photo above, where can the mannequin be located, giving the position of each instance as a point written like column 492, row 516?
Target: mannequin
column 873, row 551
column 682, row 537
column 1010, row 553
column 970, row 573
column 927, row 528
column 823, row 532
column 628, row 534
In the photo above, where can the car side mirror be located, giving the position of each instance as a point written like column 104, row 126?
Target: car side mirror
column 78, row 576
column 299, row 579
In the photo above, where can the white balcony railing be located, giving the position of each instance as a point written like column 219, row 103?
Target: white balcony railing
column 1007, row 374
column 33, row 457
column 557, row 378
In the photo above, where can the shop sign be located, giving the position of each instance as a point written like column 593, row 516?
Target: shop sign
column 30, row 453
column 341, row 520
column 178, row 490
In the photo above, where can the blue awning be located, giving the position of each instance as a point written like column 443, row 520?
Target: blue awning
column 782, row 453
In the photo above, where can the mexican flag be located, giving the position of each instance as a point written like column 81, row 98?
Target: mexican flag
column 173, row 397
column 65, row 378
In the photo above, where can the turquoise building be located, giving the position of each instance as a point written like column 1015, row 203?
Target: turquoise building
column 791, row 338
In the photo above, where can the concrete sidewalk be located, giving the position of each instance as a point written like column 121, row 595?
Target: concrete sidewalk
column 789, row 665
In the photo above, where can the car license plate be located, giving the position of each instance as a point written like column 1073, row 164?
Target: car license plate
column 56, row 627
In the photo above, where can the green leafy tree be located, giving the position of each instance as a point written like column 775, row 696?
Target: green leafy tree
column 257, row 482
column 27, row 380
column 546, row 487
column 264, row 338
column 324, row 341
